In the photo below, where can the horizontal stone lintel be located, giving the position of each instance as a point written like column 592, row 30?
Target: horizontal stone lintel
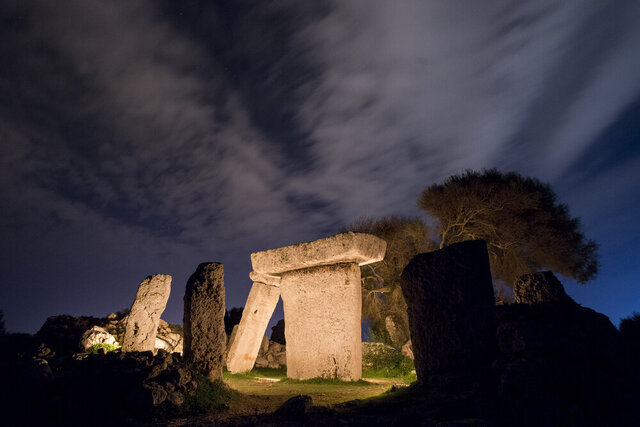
column 360, row 248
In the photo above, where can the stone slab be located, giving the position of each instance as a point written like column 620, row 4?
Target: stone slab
column 451, row 310
column 359, row 248
column 142, row 322
column 203, row 322
column 323, row 308
column 257, row 312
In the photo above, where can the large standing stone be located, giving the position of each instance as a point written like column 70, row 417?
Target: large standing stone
column 142, row 323
column 323, row 309
column 204, row 334
column 260, row 305
column 451, row 309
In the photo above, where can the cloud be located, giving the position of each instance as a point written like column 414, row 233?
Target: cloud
column 185, row 131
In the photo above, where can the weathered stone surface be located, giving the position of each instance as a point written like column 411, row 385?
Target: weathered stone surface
column 322, row 308
column 350, row 247
column 561, row 364
column 203, row 322
column 144, row 317
column 265, row 278
column 277, row 333
column 264, row 346
column 407, row 350
column 96, row 335
column 397, row 336
column 539, row 287
column 451, row 309
column 244, row 347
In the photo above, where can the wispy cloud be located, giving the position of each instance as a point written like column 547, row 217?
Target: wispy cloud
column 163, row 131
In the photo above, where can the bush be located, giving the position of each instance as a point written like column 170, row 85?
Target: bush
column 96, row 347
column 210, row 395
column 381, row 360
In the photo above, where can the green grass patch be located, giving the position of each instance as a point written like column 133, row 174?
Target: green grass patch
column 96, row 347
column 324, row 381
column 257, row 373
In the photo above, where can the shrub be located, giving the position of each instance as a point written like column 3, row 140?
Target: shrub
column 209, row 395
column 381, row 360
column 96, row 347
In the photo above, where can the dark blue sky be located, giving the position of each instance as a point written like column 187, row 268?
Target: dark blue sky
column 147, row 137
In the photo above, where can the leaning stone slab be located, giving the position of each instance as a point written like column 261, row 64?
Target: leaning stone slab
column 349, row 247
column 451, row 310
column 203, row 322
column 258, row 309
column 143, row 319
column 322, row 307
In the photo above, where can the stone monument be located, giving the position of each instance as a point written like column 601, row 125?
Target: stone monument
column 319, row 283
column 143, row 319
column 203, row 321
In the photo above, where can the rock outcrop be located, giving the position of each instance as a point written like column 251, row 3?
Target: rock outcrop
column 144, row 317
column 451, row 311
column 204, row 333
column 539, row 287
column 96, row 335
column 560, row 363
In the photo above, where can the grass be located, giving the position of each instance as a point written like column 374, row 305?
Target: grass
column 273, row 386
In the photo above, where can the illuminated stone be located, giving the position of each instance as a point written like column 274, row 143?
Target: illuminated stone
column 143, row 319
column 245, row 345
column 320, row 285
column 322, row 308
column 204, row 335
column 356, row 248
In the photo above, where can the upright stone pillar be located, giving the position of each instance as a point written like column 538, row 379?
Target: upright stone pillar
column 260, row 305
column 142, row 323
column 451, row 310
column 322, row 305
column 203, row 322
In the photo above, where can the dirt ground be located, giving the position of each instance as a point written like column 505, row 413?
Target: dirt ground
column 263, row 394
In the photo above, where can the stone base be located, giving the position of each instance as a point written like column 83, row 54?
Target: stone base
column 322, row 307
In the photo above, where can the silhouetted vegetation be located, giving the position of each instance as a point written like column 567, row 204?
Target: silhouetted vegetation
column 3, row 331
column 521, row 220
column 630, row 328
column 381, row 293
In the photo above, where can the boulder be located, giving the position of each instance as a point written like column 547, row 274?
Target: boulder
column 561, row 364
column 407, row 350
column 204, row 333
column 451, row 310
column 143, row 319
column 96, row 335
column 296, row 406
column 539, row 287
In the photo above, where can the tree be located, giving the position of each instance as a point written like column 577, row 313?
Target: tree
column 381, row 292
column 525, row 227
column 2, row 329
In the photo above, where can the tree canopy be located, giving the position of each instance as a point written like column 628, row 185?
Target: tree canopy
column 381, row 292
column 524, row 225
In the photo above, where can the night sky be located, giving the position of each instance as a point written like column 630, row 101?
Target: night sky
column 143, row 137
